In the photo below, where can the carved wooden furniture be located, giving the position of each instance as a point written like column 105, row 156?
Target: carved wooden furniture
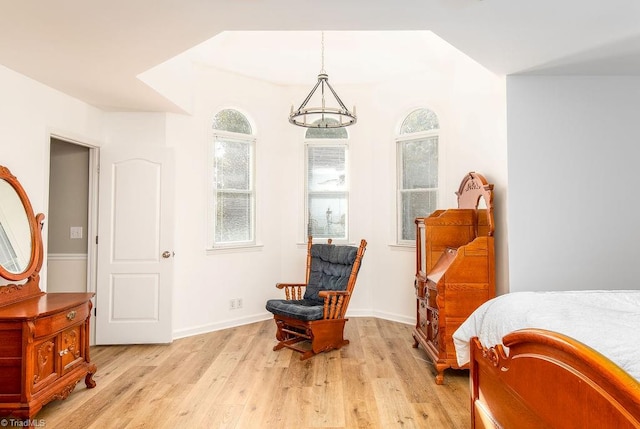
column 455, row 269
column 44, row 338
column 313, row 312
column 557, row 359
column 549, row 381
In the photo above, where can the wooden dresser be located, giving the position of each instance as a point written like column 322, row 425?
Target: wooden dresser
column 44, row 338
column 455, row 269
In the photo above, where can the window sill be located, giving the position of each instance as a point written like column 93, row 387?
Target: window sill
column 235, row 249
column 403, row 247
column 324, row 241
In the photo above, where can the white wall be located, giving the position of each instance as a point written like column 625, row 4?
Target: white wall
column 30, row 113
column 471, row 105
column 205, row 282
column 574, row 146
column 66, row 273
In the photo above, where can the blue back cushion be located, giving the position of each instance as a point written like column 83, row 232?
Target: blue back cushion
column 330, row 269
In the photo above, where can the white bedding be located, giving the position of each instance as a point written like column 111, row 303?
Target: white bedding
column 607, row 321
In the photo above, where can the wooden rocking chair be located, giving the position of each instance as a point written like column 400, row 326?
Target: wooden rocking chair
column 317, row 316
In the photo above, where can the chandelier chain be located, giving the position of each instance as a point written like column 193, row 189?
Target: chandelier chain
column 322, row 70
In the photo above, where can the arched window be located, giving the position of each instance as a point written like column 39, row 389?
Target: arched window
column 326, row 190
column 232, row 207
column 419, row 120
column 232, row 121
column 417, row 183
column 326, row 133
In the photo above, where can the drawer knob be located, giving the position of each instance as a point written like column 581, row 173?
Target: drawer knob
column 71, row 315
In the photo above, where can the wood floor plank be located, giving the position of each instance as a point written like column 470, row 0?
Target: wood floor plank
column 265, row 405
column 233, row 379
column 111, row 401
column 217, row 416
column 394, row 409
column 203, row 397
column 159, row 409
column 326, row 396
column 361, row 410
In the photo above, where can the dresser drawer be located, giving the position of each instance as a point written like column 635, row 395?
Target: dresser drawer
column 71, row 348
column 57, row 322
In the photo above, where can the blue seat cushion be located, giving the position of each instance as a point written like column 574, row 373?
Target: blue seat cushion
column 302, row 309
column 330, row 269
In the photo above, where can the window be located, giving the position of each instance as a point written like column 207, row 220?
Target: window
column 327, row 196
column 8, row 256
column 232, row 207
column 417, row 155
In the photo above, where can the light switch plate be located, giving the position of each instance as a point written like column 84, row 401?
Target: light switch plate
column 76, row 232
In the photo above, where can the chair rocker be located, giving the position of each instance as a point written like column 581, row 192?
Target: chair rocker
column 317, row 315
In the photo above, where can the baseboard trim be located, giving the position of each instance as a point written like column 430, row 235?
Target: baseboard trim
column 66, row 256
column 400, row 318
column 218, row 326
column 233, row 323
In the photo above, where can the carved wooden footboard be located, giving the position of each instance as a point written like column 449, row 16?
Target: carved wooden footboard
column 549, row 381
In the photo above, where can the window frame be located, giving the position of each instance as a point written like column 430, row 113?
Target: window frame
column 327, row 142
column 400, row 190
column 213, row 191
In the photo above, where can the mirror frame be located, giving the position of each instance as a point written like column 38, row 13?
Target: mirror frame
column 32, row 271
column 473, row 187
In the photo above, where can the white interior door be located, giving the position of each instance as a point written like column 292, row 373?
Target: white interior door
column 135, row 247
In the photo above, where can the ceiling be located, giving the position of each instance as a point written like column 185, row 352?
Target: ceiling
column 95, row 50
column 295, row 57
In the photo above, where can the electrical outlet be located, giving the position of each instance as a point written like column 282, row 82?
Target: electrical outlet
column 235, row 303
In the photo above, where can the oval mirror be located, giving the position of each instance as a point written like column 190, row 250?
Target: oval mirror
column 15, row 231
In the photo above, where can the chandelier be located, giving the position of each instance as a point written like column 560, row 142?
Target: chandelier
column 324, row 116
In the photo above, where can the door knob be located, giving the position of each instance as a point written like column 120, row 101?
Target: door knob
column 166, row 254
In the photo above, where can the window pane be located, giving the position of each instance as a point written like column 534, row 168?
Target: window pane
column 233, row 217
column 327, row 215
column 326, row 168
column 420, row 163
column 420, row 120
column 232, row 165
column 416, row 204
column 231, row 120
column 8, row 256
column 326, row 133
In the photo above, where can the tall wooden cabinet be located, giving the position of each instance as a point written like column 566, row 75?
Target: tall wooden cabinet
column 44, row 337
column 455, row 269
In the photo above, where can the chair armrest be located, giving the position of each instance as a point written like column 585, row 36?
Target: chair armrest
column 334, row 301
column 284, row 285
column 292, row 290
column 328, row 293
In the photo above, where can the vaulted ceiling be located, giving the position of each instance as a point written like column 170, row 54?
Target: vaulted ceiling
column 95, row 50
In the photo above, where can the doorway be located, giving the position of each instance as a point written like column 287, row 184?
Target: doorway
column 71, row 217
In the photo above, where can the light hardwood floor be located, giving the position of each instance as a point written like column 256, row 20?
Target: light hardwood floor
column 233, row 379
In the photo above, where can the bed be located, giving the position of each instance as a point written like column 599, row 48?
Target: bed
column 554, row 360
